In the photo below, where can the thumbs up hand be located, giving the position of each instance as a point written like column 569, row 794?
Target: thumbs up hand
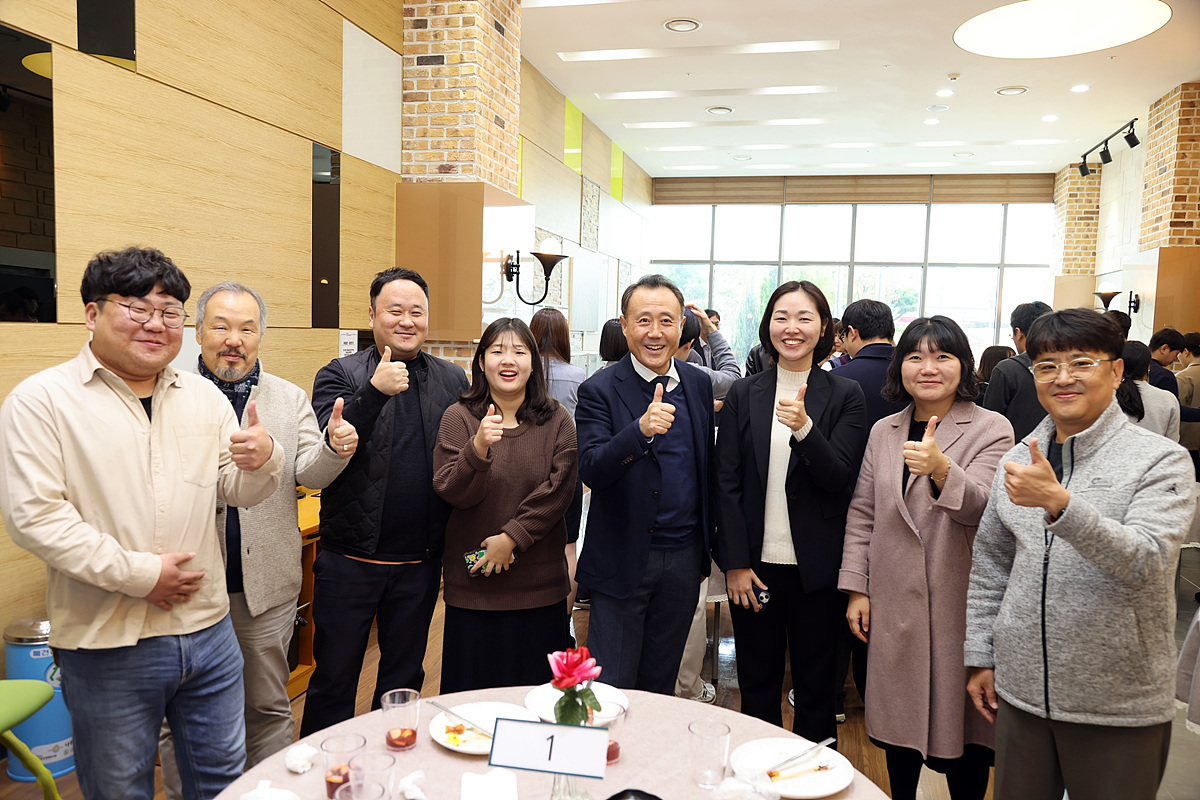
column 658, row 416
column 252, row 447
column 1036, row 485
column 491, row 430
column 925, row 457
column 391, row 377
column 343, row 438
column 791, row 412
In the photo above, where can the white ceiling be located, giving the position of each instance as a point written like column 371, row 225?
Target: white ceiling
column 892, row 57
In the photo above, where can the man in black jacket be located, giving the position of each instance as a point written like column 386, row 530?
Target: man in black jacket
column 382, row 526
column 868, row 329
column 1012, row 391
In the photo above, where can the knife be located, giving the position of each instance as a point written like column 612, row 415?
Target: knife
column 801, row 755
column 466, row 722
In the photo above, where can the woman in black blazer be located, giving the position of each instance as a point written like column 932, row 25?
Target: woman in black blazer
column 788, row 452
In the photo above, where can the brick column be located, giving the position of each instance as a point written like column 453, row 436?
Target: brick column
column 1076, row 220
column 1171, row 192
column 462, row 89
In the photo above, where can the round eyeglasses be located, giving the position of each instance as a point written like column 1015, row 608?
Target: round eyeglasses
column 172, row 316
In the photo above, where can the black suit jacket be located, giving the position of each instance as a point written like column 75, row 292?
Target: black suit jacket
column 822, row 472
column 869, row 367
column 624, row 474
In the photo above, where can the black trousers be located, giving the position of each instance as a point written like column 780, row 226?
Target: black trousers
column 806, row 624
column 485, row 649
column 349, row 595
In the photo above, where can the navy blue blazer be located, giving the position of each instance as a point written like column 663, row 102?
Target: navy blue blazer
column 870, row 368
column 821, row 473
column 625, row 477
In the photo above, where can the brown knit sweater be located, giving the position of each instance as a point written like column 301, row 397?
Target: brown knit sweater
column 522, row 488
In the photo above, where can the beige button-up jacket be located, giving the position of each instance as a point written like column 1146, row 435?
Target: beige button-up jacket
column 98, row 492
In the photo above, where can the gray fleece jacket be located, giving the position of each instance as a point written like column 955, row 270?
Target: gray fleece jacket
column 1078, row 617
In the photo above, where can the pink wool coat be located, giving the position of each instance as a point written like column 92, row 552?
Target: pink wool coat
column 911, row 554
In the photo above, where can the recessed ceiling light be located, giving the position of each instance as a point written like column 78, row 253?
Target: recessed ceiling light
column 937, row 108
column 938, row 144
column 932, row 121
column 1042, row 29
column 1080, row 87
column 678, row 148
column 719, row 110
column 663, row 94
column 682, row 25
column 1050, row 118
column 766, row 146
column 945, row 93
column 851, row 145
column 963, row 154
column 740, row 158
column 1012, row 91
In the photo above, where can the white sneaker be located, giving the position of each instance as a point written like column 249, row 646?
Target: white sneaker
column 708, row 694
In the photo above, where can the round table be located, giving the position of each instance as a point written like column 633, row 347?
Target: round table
column 654, row 752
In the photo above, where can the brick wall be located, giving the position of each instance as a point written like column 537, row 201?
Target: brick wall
column 26, row 177
column 462, row 86
column 460, row 353
column 1171, row 195
column 1076, row 220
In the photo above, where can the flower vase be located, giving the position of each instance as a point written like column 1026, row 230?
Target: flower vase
column 568, row 787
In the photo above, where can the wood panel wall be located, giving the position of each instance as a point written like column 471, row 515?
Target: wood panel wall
column 140, row 163
column 383, row 19
column 52, row 20
column 1014, row 188
column 277, row 60
column 597, row 155
column 368, row 241
column 543, row 111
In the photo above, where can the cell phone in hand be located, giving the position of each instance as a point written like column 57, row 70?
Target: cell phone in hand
column 472, row 558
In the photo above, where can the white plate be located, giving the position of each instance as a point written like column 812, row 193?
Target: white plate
column 483, row 714
column 760, row 755
column 541, row 700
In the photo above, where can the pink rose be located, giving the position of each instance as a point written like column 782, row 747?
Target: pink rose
column 572, row 667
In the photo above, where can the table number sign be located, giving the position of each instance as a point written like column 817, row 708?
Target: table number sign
column 549, row 747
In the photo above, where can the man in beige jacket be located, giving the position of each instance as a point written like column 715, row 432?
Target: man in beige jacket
column 261, row 544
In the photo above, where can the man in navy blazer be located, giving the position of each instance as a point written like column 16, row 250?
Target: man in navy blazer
column 645, row 428
column 868, row 330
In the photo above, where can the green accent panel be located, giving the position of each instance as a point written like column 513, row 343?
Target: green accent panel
column 618, row 173
column 573, row 138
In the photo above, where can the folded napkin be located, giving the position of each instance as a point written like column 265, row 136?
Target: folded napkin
column 758, row 787
column 264, row 791
column 499, row 784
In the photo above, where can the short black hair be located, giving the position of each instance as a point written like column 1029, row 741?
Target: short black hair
column 941, row 333
column 824, row 344
column 871, row 318
column 1022, row 316
column 1074, row 329
column 132, row 272
column 396, row 274
column 691, row 329
column 613, row 344
column 1137, row 359
column 712, row 312
column 1172, row 338
column 1191, row 343
column 650, row 282
column 1123, row 320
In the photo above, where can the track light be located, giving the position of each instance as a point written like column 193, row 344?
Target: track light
column 1084, row 169
column 1105, row 155
column 1131, row 138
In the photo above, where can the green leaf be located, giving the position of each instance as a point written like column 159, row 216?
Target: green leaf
column 589, row 699
column 569, row 711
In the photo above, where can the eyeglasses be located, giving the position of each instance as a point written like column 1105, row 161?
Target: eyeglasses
column 1080, row 368
column 172, row 316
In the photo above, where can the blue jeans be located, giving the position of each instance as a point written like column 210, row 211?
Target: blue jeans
column 118, row 698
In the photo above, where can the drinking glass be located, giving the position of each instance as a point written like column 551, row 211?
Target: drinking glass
column 401, row 713
column 710, row 752
column 336, row 752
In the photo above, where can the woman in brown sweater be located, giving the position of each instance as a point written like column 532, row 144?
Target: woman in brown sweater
column 506, row 460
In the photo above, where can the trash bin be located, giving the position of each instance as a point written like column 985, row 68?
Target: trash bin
column 48, row 732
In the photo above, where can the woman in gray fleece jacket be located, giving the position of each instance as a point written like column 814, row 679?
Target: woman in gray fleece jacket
column 1071, row 605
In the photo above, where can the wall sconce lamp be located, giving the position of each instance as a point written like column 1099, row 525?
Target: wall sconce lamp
column 1135, row 303
column 512, row 272
column 1130, row 137
column 1106, row 297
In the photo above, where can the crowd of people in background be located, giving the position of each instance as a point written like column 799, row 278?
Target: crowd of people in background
column 989, row 549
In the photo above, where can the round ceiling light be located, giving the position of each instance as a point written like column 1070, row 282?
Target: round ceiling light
column 682, row 25
column 1011, row 91
column 719, row 110
column 937, row 108
column 740, row 158
column 1052, row 28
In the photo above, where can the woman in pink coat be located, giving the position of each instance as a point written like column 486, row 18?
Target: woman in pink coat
column 924, row 483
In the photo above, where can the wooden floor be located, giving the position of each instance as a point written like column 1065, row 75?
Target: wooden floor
column 852, row 735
